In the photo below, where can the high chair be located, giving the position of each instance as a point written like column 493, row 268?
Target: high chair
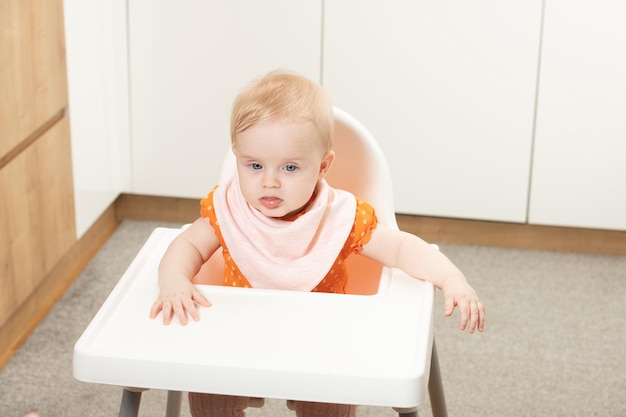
column 371, row 347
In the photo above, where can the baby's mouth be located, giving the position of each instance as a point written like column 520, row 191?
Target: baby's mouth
column 270, row 202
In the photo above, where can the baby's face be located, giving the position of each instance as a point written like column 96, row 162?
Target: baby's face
column 279, row 165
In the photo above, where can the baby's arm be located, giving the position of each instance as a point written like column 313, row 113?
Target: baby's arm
column 181, row 262
column 419, row 259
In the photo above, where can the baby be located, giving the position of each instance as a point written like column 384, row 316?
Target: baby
column 278, row 210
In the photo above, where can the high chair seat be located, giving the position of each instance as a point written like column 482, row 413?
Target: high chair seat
column 373, row 349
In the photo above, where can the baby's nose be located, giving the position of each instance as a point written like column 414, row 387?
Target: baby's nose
column 270, row 180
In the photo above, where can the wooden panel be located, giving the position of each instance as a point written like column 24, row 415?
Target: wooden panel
column 33, row 84
column 36, row 215
column 26, row 318
column 161, row 209
column 515, row 236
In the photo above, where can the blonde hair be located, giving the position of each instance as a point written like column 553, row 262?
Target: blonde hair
column 288, row 96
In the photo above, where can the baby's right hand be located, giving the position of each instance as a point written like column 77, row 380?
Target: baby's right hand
column 178, row 298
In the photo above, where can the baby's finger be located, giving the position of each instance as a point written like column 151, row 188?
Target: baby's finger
column 474, row 317
column 190, row 308
column 166, row 312
column 180, row 312
column 156, row 308
column 448, row 304
column 465, row 313
column 199, row 298
column 481, row 317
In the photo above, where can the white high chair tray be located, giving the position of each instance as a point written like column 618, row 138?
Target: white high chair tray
column 356, row 349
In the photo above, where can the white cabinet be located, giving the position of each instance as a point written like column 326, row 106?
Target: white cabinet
column 97, row 68
column 579, row 165
column 188, row 60
column 448, row 88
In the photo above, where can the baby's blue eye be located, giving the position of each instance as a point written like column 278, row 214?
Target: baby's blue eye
column 290, row 167
column 256, row 166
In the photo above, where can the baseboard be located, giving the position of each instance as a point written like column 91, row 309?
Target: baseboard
column 162, row 209
column 515, row 236
column 28, row 316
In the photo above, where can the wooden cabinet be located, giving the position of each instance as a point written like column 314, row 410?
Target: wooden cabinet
column 448, row 89
column 33, row 86
column 36, row 192
column 188, row 60
column 579, row 165
column 36, row 215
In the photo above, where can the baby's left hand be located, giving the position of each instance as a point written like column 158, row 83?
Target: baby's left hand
column 458, row 293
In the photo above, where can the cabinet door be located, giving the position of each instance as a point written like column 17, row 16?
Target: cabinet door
column 33, row 88
column 188, row 60
column 36, row 215
column 97, row 68
column 579, row 164
column 448, row 89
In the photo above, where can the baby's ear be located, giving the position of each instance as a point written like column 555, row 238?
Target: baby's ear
column 327, row 162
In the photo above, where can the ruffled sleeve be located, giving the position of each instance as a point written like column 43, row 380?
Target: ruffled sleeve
column 206, row 206
column 365, row 221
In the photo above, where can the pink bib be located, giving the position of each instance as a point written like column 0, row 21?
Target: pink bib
column 279, row 254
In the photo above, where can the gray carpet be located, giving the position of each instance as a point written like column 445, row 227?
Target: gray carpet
column 554, row 342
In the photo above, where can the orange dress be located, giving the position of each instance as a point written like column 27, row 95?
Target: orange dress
column 336, row 279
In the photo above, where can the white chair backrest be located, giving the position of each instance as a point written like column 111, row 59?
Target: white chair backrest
column 361, row 168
